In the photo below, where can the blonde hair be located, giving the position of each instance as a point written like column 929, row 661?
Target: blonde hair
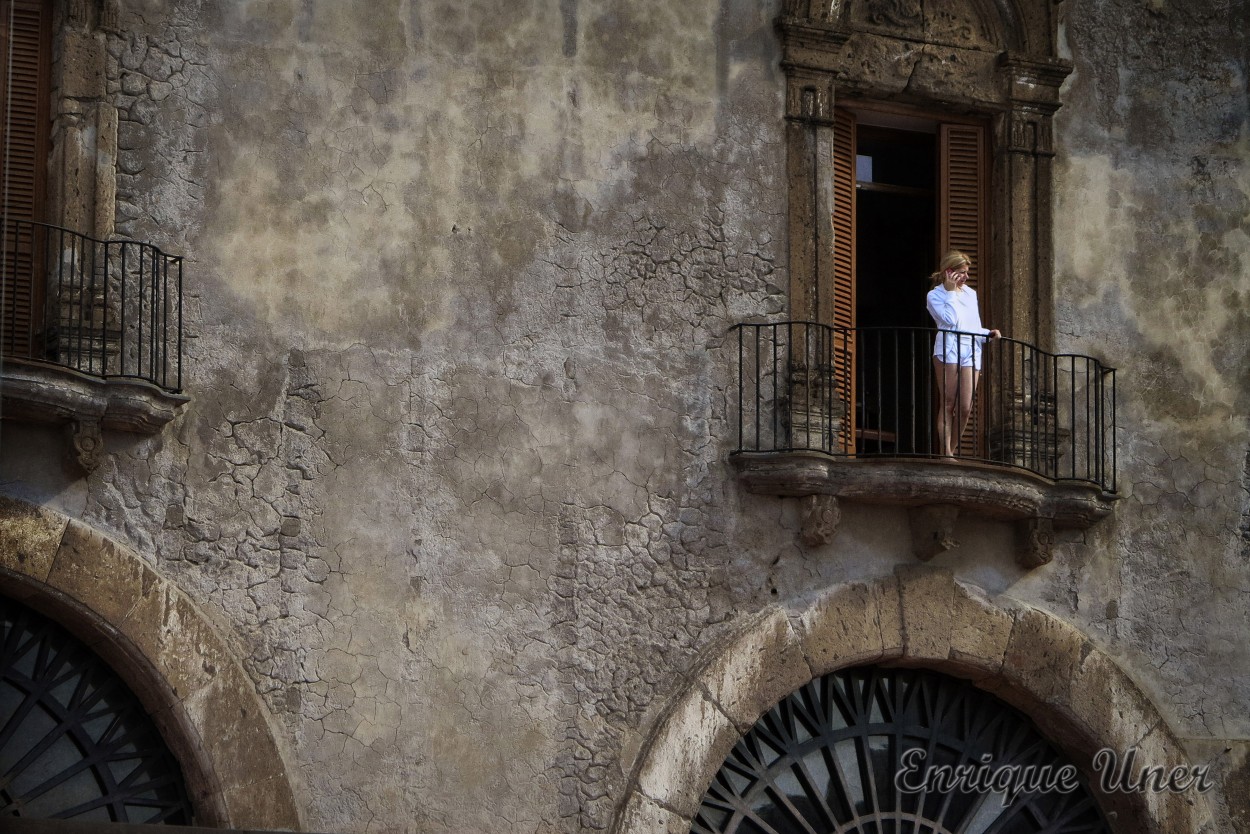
column 952, row 259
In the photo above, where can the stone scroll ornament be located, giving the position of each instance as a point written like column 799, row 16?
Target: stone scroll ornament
column 86, row 444
column 821, row 515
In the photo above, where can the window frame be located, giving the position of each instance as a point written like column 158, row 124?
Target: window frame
column 1011, row 81
column 968, row 230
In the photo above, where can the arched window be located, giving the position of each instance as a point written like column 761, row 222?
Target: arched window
column 833, row 757
column 75, row 743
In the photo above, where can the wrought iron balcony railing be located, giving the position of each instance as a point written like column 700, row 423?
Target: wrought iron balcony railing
column 105, row 308
column 872, row 393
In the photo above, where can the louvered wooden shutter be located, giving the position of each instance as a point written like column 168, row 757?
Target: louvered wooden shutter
column 962, row 225
column 962, row 213
column 844, row 267
column 24, row 151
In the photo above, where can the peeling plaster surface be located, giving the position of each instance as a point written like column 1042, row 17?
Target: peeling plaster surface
column 460, row 275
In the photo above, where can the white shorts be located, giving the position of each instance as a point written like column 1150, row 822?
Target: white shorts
column 963, row 349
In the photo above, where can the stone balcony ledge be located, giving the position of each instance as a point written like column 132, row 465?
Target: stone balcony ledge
column 936, row 492
column 37, row 392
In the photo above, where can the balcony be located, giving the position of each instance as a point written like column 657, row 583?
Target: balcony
column 849, row 414
column 91, row 332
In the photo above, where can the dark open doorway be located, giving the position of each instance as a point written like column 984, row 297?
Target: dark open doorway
column 896, row 233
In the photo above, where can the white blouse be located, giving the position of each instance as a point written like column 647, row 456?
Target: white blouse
column 957, row 311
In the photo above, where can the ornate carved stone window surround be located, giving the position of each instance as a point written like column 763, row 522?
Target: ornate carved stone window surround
column 991, row 69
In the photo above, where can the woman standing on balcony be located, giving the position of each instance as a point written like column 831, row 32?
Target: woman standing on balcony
column 957, row 348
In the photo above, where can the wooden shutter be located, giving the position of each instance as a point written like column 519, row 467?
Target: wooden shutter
column 962, row 211
column 962, row 224
column 24, row 151
column 844, row 267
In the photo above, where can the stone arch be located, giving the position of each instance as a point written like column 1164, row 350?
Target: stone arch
column 1075, row 693
column 1015, row 36
column 174, row 659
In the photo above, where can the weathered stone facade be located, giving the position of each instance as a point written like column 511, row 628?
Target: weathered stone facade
column 450, row 514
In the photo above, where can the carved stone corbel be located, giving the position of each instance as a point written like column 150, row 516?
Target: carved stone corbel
column 1035, row 540
column 932, row 530
column 86, row 443
column 821, row 515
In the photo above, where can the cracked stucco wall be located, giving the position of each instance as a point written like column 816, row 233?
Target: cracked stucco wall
column 1157, row 282
column 459, row 276
column 1153, row 275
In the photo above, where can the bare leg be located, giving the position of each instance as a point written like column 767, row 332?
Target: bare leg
column 968, row 379
column 956, row 387
column 947, row 378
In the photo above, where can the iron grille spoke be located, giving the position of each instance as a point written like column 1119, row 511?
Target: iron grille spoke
column 819, row 801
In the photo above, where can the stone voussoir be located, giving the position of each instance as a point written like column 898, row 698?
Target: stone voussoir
column 1042, row 658
column 91, row 566
column 925, row 600
column 30, row 537
column 686, row 752
column 980, row 631
column 859, row 622
column 763, row 665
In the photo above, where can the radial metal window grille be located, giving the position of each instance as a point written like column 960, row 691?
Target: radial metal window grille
column 75, row 743
column 825, row 759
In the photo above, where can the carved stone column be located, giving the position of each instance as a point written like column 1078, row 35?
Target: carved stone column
column 110, row 15
column 1026, row 435
column 809, row 175
column 1022, row 199
column 1025, row 431
column 814, row 409
column 82, row 187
